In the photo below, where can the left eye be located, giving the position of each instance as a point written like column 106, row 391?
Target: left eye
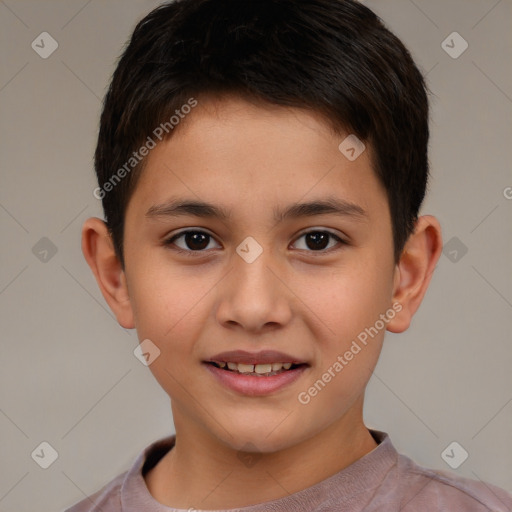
column 318, row 240
column 198, row 241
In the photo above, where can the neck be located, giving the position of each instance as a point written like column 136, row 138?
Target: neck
column 204, row 473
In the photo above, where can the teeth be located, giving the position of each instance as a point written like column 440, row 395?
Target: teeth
column 260, row 369
column 245, row 368
column 263, row 368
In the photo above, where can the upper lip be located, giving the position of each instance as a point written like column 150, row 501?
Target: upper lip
column 261, row 357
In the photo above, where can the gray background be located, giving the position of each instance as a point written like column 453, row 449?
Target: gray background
column 68, row 373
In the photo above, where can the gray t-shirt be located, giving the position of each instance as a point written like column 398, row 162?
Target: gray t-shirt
column 382, row 480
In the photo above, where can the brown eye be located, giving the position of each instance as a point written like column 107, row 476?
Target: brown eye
column 317, row 241
column 192, row 241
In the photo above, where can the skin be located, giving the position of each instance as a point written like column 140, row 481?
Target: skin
column 309, row 303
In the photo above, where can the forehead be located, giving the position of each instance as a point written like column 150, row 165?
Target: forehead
column 231, row 152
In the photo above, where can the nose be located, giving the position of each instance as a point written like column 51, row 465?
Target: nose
column 253, row 296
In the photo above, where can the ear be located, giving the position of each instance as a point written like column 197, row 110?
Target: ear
column 414, row 270
column 99, row 252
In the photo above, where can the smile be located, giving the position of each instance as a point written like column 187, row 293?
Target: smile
column 258, row 370
column 255, row 374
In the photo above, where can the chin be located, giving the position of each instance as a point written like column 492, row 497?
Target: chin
column 263, row 435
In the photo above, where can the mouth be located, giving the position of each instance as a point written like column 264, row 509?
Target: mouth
column 255, row 374
column 256, row 370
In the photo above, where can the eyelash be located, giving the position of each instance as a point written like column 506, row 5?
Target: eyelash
column 170, row 241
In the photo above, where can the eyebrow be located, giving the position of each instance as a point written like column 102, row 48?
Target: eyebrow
column 330, row 205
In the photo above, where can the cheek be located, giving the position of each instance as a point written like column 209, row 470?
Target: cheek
column 348, row 300
column 350, row 305
column 170, row 309
column 170, row 305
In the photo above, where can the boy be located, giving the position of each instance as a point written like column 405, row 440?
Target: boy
column 261, row 166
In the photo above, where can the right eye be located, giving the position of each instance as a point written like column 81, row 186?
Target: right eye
column 192, row 241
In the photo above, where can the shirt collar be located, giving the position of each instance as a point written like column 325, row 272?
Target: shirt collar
column 362, row 475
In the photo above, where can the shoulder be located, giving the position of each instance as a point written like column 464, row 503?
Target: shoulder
column 107, row 499
column 128, row 487
column 424, row 489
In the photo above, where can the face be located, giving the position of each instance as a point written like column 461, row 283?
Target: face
column 233, row 288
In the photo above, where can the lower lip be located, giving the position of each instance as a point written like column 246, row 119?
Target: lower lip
column 251, row 385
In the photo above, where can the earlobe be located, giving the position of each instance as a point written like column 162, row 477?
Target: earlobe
column 414, row 270
column 99, row 252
